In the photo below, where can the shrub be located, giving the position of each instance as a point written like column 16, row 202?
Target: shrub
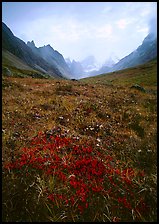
column 58, row 178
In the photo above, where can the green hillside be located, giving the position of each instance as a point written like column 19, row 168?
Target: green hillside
column 144, row 75
column 8, row 59
column 15, row 67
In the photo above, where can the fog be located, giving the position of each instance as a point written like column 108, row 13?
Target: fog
column 153, row 26
column 80, row 29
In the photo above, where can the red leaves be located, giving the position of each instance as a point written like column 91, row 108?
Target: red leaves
column 124, row 202
column 51, row 197
column 83, row 171
column 142, row 173
column 81, row 208
column 73, row 183
column 62, row 176
column 117, row 171
column 97, row 189
column 9, row 166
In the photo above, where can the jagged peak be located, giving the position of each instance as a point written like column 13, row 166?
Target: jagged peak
column 48, row 46
column 31, row 43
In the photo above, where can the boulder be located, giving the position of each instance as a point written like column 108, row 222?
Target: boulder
column 138, row 87
column 6, row 71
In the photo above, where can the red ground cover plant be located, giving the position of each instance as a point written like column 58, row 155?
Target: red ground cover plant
column 80, row 179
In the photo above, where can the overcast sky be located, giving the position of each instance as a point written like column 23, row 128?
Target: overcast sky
column 80, row 29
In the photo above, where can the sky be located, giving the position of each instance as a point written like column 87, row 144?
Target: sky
column 80, row 29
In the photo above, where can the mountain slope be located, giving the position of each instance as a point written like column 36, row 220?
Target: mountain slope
column 144, row 53
column 15, row 67
column 76, row 68
column 10, row 59
column 18, row 48
column 144, row 74
column 53, row 57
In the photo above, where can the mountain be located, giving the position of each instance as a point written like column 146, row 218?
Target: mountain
column 16, row 48
column 109, row 62
column 76, row 69
column 68, row 62
column 52, row 56
column 142, row 75
column 89, row 64
column 10, row 59
column 107, row 66
column 144, row 53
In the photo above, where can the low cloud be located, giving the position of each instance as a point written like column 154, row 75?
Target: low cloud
column 104, row 31
column 143, row 30
column 77, row 31
column 122, row 23
column 153, row 26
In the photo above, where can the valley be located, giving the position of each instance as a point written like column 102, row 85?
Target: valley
column 117, row 123
column 79, row 133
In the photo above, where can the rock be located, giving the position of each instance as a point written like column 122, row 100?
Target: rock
column 6, row 71
column 74, row 80
column 136, row 86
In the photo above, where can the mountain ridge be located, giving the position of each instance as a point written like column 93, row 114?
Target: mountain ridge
column 49, row 61
column 53, row 57
column 146, row 52
column 21, row 50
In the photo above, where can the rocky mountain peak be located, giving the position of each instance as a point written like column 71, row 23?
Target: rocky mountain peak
column 47, row 47
column 31, row 44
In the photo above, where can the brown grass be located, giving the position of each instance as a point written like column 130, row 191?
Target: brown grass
column 118, row 118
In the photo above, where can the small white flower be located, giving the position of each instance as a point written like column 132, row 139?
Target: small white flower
column 101, row 126
column 98, row 139
column 72, row 175
column 139, row 150
column 47, row 163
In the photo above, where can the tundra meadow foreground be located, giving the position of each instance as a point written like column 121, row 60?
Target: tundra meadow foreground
column 79, row 150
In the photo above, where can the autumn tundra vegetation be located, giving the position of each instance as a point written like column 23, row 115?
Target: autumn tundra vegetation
column 80, row 150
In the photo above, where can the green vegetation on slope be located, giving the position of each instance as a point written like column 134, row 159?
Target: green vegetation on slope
column 15, row 67
column 8, row 59
column 16, row 72
column 144, row 75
